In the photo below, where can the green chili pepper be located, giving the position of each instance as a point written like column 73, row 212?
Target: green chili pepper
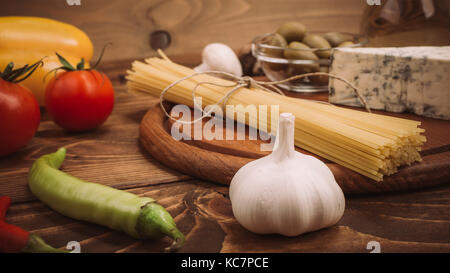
column 140, row 217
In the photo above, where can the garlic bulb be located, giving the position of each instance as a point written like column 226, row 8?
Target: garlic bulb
column 286, row 192
column 219, row 57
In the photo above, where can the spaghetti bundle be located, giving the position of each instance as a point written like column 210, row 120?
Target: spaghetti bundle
column 370, row 144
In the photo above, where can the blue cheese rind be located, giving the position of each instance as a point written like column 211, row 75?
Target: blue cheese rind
column 396, row 79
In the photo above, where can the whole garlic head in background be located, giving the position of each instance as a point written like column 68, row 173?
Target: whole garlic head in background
column 286, row 192
column 219, row 57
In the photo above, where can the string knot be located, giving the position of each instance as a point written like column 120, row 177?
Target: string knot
column 246, row 81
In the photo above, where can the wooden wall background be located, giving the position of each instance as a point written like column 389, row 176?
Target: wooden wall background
column 191, row 23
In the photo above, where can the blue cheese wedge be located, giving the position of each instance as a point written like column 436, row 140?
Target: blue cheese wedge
column 395, row 79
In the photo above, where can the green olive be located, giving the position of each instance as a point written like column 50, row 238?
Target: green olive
column 300, row 51
column 278, row 41
column 346, row 43
column 292, row 31
column 335, row 38
column 316, row 41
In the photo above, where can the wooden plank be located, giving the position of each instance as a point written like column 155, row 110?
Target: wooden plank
column 191, row 23
column 412, row 222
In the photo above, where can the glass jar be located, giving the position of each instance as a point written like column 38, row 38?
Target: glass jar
column 276, row 67
column 398, row 23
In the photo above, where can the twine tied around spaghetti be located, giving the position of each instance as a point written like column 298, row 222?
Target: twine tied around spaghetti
column 247, row 82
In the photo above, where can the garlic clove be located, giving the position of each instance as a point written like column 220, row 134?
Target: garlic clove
column 286, row 192
column 219, row 57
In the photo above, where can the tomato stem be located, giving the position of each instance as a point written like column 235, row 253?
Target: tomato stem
column 13, row 75
column 101, row 55
column 65, row 65
column 80, row 65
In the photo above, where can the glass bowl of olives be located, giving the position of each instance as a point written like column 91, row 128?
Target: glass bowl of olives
column 292, row 50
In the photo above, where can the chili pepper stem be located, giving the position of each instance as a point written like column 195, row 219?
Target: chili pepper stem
column 15, row 239
column 155, row 221
column 178, row 240
column 37, row 245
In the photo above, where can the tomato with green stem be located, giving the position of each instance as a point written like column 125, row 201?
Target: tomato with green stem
column 79, row 99
column 19, row 110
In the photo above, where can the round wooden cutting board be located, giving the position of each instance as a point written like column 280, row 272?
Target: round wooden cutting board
column 219, row 160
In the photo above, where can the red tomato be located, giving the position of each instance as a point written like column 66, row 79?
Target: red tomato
column 79, row 100
column 19, row 117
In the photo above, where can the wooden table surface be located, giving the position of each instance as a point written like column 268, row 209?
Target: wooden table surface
column 416, row 221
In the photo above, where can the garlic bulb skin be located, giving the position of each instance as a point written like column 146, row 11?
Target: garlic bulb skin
column 286, row 192
column 219, row 57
